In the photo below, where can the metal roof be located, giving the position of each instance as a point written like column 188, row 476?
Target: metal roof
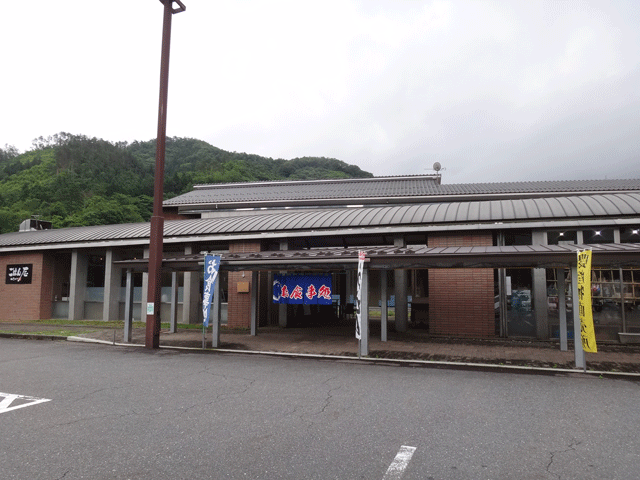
column 379, row 190
column 594, row 207
column 338, row 259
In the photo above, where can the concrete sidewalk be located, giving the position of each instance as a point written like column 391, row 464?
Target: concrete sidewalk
column 339, row 341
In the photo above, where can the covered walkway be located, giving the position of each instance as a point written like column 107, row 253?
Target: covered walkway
column 396, row 258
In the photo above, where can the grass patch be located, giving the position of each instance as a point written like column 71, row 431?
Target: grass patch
column 79, row 323
column 54, row 333
column 103, row 324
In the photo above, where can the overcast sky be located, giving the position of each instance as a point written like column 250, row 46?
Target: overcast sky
column 494, row 91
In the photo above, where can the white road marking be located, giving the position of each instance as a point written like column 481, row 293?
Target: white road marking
column 399, row 464
column 25, row 401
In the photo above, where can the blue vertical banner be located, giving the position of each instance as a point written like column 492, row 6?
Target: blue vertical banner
column 211, row 268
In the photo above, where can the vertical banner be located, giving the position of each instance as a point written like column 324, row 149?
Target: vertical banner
column 361, row 256
column 211, row 267
column 584, row 302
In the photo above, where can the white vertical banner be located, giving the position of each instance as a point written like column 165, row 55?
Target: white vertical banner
column 211, row 267
column 361, row 256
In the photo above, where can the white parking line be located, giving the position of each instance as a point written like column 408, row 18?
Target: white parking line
column 399, row 464
column 9, row 398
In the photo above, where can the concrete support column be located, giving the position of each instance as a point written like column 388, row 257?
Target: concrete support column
column 540, row 291
column 282, row 308
column 402, row 307
column 562, row 309
column 269, row 293
column 364, row 312
column 128, row 308
column 112, row 282
column 577, row 338
column 191, row 294
column 383, row 305
column 78, row 284
column 502, row 290
column 623, row 326
column 502, row 282
column 216, row 314
column 349, row 286
column 145, row 288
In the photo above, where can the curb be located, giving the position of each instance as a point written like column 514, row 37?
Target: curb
column 32, row 336
column 384, row 361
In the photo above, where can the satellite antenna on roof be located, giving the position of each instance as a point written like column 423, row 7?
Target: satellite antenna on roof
column 438, row 168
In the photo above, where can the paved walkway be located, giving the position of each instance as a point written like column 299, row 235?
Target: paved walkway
column 340, row 341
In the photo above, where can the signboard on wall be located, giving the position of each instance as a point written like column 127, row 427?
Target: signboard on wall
column 17, row 274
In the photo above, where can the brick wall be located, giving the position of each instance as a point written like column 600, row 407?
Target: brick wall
column 239, row 306
column 461, row 300
column 27, row 301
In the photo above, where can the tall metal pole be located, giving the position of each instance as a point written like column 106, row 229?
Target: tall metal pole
column 152, row 337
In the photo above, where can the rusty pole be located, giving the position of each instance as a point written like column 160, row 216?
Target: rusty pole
column 152, row 337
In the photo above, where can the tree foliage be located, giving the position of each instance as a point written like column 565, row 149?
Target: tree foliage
column 74, row 180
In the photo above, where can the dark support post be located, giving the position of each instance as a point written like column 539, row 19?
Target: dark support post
column 152, row 337
column 254, row 303
column 174, row 303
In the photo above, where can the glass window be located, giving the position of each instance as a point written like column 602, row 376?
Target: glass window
column 561, row 237
column 603, row 235
column 517, row 237
column 630, row 234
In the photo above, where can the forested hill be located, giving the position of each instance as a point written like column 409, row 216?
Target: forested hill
column 72, row 180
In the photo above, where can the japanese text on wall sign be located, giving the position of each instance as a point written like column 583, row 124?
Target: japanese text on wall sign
column 19, row 273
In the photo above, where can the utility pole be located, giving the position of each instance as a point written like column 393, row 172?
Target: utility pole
column 156, row 233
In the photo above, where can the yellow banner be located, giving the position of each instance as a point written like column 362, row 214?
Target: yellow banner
column 587, row 332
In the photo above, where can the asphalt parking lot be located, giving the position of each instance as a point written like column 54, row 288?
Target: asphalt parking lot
column 123, row 412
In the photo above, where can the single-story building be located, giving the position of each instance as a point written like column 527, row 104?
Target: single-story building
column 472, row 260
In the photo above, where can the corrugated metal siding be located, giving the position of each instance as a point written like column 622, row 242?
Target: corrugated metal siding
column 570, row 208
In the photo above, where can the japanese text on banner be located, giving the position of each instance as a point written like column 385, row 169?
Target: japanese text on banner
column 361, row 256
column 587, row 332
column 211, row 267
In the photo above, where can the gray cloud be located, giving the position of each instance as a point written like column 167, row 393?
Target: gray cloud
column 494, row 91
